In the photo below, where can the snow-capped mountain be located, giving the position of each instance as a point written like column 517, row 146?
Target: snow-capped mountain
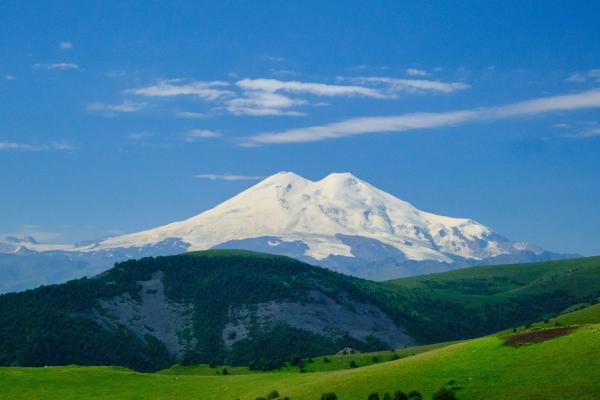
column 339, row 222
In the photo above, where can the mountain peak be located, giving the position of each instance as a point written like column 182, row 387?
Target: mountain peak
column 339, row 221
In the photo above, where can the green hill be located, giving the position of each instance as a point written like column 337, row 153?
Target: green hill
column 251, row 309
column 475, row 301
column 564, row 367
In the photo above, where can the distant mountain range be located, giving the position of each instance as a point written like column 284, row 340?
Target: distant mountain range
column 340, row 222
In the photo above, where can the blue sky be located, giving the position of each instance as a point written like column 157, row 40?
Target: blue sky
column 119, row 116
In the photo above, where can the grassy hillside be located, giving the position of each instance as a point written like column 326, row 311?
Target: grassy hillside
column 97, row 321
column 565, row 367
column 475, row 301
column 93, row 321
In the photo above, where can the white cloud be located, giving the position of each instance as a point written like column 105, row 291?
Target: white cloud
column 169, row 88
column 589, row 133
column 274, row 59
column 9, row 77
column 395, row 85
column 32, row 231
column 190, row 115
column 407, row 122
column 217, row 177
column 591, row 75
column 259, row 103
column 59, row 146
column 195, row 134
column 57, row 66
column 126, row 107
column 65, row 45
column 139, row 135
column 317, row 89
column 416, row 72
column 261, row 97
column 282, row 71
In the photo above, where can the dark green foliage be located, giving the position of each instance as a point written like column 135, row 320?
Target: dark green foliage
column 373, row 396
column 54, row 325
column 328, row 396
column 225, row 371
column 352, row 364
column 415, row 395
column 387, row 396
column 399, row 395
column 274, row 394
column 267, row 349
column 444, row 394
column 473, row 302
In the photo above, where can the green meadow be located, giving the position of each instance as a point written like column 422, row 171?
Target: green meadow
column 564, row 367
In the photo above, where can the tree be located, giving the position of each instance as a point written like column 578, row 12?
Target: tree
column 225, row 371
column 329, row 396
column 353, row 364
column 415, row 395
column 274, row 394
column 373, row 396
column 444, row 394
column 399, row 395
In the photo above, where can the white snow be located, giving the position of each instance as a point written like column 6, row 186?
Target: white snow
column 290, row 207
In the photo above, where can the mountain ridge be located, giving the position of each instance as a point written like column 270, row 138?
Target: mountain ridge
column 340, row 222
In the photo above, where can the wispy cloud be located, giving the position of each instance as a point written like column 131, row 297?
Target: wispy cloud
column 265, row 96
column 176, row 87
column 197, row 134
column 413, row 121
column 585, row 134
column 257, row 103
column 125, row 107
column 137, row 136
column 316, row 89
column 9, row 77
column 57, row 66
column 217, row 177
column 395, row 85
column 416, row 72
column 33, row 232
column 190, row 115
column 591, row 75
column 65, row 45
column 58, row 146
column 582, row 130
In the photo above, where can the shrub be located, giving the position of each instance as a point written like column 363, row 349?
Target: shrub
column 274, row 394
column 353, row 364
column 415, row 395
column 225, row 371
column 329, row 396
column 373, row 396
column 375, row 359
column 326, row 360
column 387, row 396
column 444, row 394
column 399, row 395
column 295, row 360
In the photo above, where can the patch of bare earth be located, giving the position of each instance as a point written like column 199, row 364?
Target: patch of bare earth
column 539, row 336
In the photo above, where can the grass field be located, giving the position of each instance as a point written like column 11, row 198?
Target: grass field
column 558, row 358
column 566, row 367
